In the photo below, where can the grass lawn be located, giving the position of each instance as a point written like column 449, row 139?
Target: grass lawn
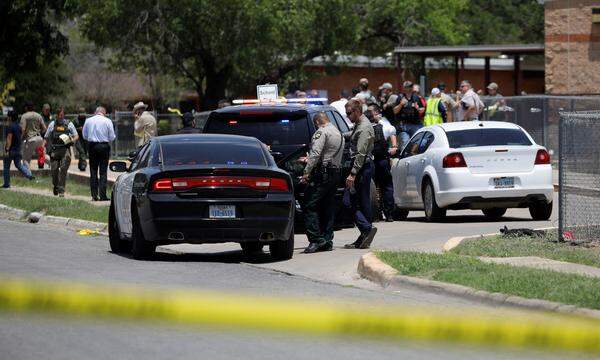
column 499, row 246
column 45, row 182
column 521, row 281
column 52, row 205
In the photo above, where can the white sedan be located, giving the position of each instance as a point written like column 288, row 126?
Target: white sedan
column 485, row 165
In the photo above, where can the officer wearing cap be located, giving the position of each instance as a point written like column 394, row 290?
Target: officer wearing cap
column 494, row 111
column 322, row 174
column 358, row 182
column 60, row 136
column 189, row 124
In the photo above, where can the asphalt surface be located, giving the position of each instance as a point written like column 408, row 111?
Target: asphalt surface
column 41, row 251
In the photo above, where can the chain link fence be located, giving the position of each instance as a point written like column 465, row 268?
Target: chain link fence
column 579, row 180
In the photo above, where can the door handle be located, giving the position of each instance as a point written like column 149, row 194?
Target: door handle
column 423, row 161
column 406, row 163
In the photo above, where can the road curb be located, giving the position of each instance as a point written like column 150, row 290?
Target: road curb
column 373, row 269
column 10, row 213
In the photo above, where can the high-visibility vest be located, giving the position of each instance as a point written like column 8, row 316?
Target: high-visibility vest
column 432, row 113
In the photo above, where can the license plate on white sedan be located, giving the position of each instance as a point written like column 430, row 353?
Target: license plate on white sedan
column 504, row 182
column 221, row 211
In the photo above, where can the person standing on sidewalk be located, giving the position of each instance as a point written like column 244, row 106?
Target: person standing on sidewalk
column 33, row 127
column 144, row 127
column 98, row 131
column 408, row 113
column 384, row 136
column 448, row 102
column 81, row 144
column 60, row 136
column 470, row 103
column 322, row 174
column 12, row 150
column 358, row 183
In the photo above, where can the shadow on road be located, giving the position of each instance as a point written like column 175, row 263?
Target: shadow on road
column 457, row 219
column 226, row 257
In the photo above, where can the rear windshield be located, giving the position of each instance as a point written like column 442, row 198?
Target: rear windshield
column 486, row 137
column 212, row 153
column 270, row 129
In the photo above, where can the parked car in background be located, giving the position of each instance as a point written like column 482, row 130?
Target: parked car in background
column 483, row 165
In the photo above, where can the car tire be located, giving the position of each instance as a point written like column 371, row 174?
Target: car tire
column 494, row 213
column 375, row 210
column 117, row 245
column 251, row 247
column 541, row 210
column 400, row 214
column 282, row 249
column 141, row 249
column 432, row 211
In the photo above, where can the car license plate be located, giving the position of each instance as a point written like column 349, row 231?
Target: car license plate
column 504, row 182
column 221, row 211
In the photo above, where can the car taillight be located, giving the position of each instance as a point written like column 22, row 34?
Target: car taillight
column 162, row 185
column 256, row 183
column 279, row 185
column 454, row 160
column 542, row 157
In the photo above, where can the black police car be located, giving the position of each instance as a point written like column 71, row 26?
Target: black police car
column 287, row 129
column 199, row 188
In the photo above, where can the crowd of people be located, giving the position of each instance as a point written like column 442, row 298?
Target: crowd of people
column 381, row 123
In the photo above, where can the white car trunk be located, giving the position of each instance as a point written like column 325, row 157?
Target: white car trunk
column 499, row 159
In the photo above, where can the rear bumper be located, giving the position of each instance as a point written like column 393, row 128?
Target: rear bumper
column 458, row 188
column 175, row 220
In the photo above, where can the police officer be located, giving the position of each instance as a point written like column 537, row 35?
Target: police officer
column 358, row 182
column 322, row 174
column 60, row 136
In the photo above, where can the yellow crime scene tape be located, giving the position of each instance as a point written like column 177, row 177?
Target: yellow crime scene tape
column 236, row 312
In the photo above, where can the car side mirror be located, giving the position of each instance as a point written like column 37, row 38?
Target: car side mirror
column 118, row 166
column 132, row 155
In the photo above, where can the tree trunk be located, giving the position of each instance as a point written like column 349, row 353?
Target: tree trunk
column 216, row 83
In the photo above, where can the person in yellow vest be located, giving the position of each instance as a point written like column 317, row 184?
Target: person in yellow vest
column 436, row 110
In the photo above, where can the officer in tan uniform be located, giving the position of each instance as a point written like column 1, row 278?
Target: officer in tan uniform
column 144, row 127
column 322, row 174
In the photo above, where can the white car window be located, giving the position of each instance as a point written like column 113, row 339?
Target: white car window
column 412, row 148
column 426, row 142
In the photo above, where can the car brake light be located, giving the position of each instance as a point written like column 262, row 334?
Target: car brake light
column 454, row 160
column 257, row 183
column 278, row 184
column 162, row 185
column 542, row 157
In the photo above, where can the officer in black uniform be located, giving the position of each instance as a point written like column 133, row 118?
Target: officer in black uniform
column 60, row 136
column 322, row 174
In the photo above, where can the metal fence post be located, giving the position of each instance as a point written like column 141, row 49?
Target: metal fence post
column 560, row 178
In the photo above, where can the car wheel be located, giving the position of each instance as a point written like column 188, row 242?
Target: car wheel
column 541, row 210
column 117, row 245
column 283, row 249
column 251, row 247
column 141, row 249
column 432, row 211
column 400, row 214
column 494, row 213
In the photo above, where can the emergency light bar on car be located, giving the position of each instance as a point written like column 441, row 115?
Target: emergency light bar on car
column 278, row 101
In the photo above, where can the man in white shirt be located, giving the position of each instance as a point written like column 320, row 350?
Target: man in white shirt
column 99, row 132
column 340, row 106
column 470, row 103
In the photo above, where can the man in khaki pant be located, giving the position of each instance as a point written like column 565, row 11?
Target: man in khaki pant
column 33, row 127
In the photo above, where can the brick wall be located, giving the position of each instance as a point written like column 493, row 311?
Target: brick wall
column 572, row 47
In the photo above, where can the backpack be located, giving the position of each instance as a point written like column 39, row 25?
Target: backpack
column 380, row 145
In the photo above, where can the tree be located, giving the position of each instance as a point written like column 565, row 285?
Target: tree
column 32, row 46
column 235, row 44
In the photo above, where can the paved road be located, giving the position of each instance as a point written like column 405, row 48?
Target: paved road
column 47, row 252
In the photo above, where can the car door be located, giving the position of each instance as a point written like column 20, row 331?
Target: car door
column 125, row 189
column 419, row 163
column 403, row 184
